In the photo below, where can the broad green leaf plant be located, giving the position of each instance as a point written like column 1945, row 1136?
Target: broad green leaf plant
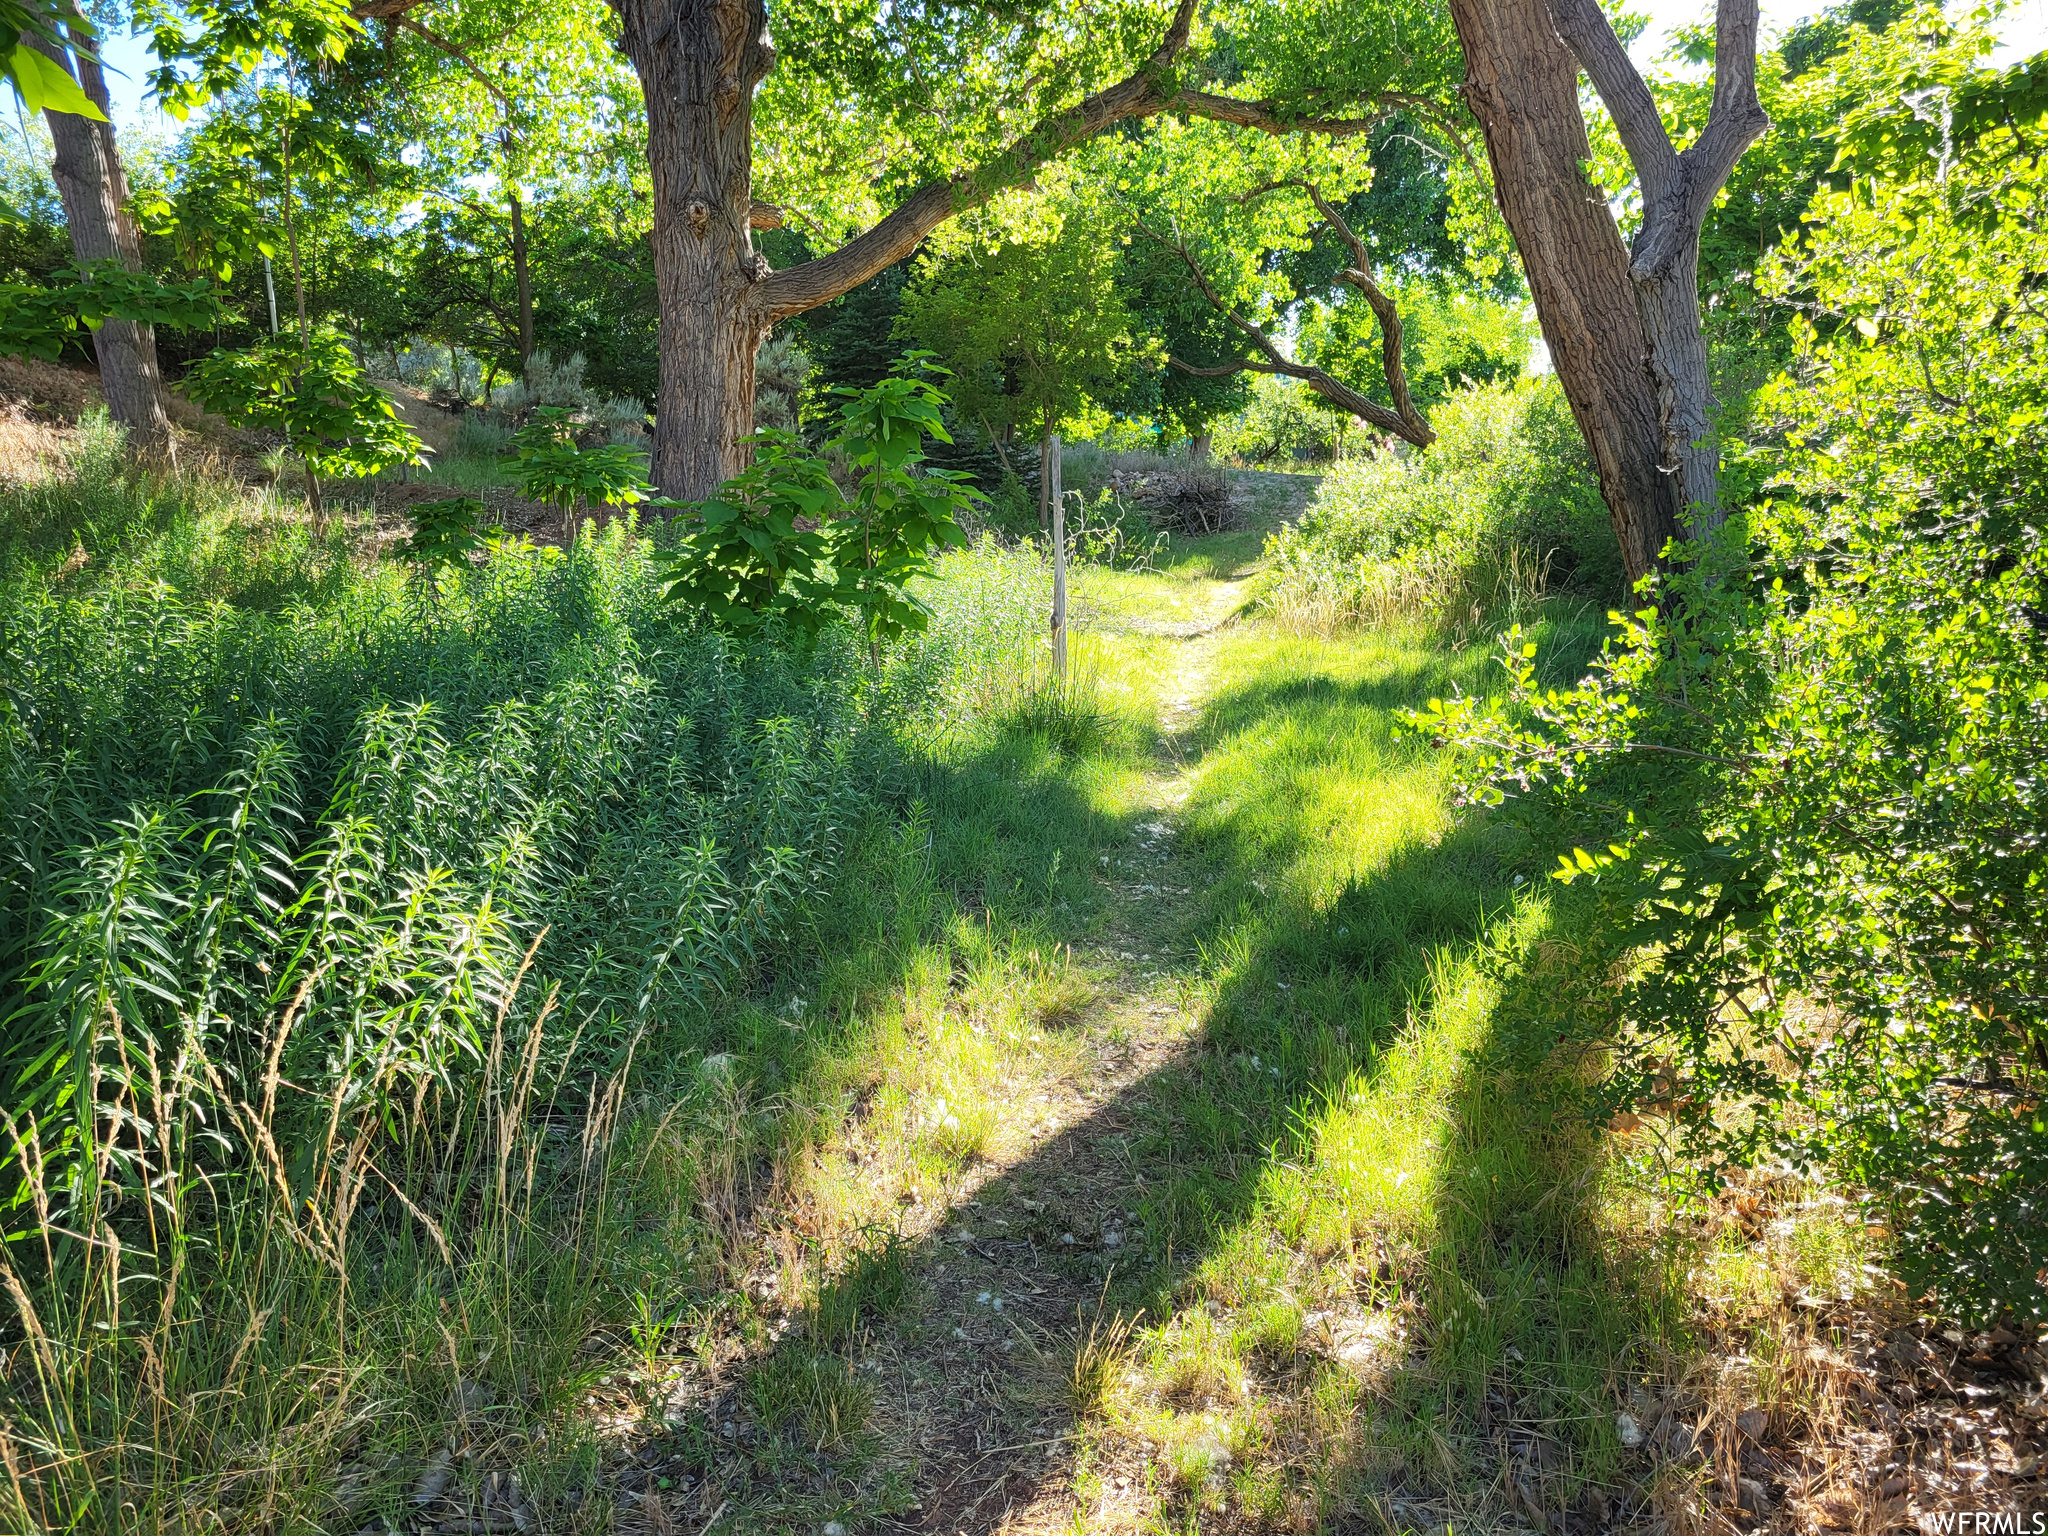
column 784, row 543
column 446, row 537
column 550, row 467
column 39, row 319
column 334, row 420
column 43, row 84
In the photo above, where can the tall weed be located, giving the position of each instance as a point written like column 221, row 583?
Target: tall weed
column 334, row 914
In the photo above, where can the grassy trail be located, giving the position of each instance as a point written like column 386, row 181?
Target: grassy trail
column 1032, row 1288
column 1166, row 1172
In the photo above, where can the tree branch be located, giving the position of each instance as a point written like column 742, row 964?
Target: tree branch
column 1263, row 116
column 1148, row 90
column 435, row 40
column 1678, row 189
column 1359, row 276
column 1593, row 41
column 1275, row 361
column 1416, row 428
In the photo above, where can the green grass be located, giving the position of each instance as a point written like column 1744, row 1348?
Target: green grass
column 1337, row 1140
column 1367, row 1250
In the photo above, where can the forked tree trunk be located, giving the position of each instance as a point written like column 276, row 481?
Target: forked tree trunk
column 1521, row 82
column 87, row 170
column 1623, row 326
column 699, row 62
column 1678, row 188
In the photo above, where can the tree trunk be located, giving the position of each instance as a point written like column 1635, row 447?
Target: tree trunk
column 522, row 281
column 1046, row 475
column 1199, row 445
column 699, row 62
column 87, row 170
column 1678, row 189
column 1521, row 82
column 698, row 66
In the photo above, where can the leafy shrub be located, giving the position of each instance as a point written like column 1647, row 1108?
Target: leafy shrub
column 1284, row 422
column 1503, row 506
column 549, row 465
column 447, row 534
column 1011, row 508
column 782, row 541
column 478, row 436
column 334, row 420
column 547, row 383
column 1812, row 786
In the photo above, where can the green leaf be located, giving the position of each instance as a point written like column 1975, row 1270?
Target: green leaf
column 46, row 86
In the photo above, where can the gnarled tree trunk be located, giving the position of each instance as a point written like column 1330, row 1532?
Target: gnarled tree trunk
column 699, row 62
column 87, row 170
column 1677, row 189
column 1521, row 82
column 1623, row 326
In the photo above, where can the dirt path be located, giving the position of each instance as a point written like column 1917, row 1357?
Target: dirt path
column 1016, row 1272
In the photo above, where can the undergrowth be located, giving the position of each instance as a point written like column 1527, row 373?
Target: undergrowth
column 350, row 930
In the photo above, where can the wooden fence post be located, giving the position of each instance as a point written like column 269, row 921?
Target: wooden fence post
column 1059, row 562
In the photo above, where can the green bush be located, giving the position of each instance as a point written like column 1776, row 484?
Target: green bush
column 1503, row 506
column 1285, row 421
column 1810, row 783
column 478, row 436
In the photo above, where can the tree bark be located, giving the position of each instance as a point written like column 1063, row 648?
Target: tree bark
column 87, row 170
column 1623, row 327
column 1199, row 444
column 699, row 62
column 1677, row 190
column 698, row 65
column 1046, row 475
column 1521, row 82
column 522, row 282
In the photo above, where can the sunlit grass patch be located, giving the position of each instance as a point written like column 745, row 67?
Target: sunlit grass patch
column 1389, row 1255
column 816, row 1395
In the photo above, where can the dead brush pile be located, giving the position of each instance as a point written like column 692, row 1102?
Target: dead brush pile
column 1192, row 500
column 1818, row 1396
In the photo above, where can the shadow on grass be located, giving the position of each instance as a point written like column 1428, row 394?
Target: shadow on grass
column 1342, row 1126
